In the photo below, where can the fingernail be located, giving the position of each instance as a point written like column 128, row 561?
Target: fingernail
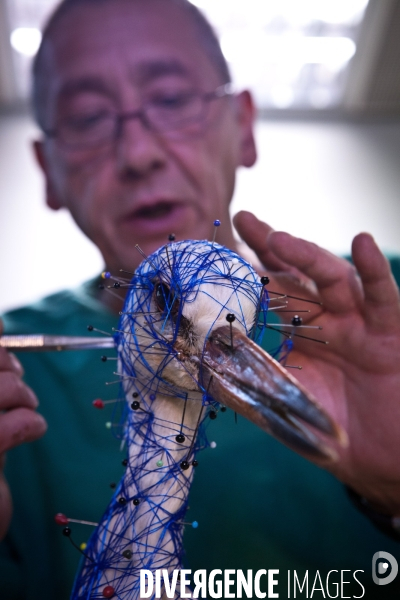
column 41, row 423
column 33, row 397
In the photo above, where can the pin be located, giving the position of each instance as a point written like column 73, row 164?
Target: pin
column 196, row 429
column 171, row 237
column 297, row 325
column 230, row 317
column 290, row 310
column 194, row 524
column 106, row 358
column 296, row 298
column 108, row 591
column 305, row 337
column 138, row 248
column 217, row 223
column 67, row 533
column 135, row 405
column 180, row 438
column 99, row 403
column 127, row 272
column 91, row 328
column 61, row 519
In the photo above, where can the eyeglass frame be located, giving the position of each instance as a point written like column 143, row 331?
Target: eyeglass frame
column 221, row 91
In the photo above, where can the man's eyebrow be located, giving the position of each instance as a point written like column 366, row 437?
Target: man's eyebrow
column 85, row 84
column 159, row 68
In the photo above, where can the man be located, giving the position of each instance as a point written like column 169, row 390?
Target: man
column 106, row 78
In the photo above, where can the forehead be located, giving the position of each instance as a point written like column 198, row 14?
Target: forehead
column 132, row 42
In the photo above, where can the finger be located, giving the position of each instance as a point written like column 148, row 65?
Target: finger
column 9, row 362
column 19, row 426
column 335, row 278
column 381, row 294
column 15, row 393
column 255, row 233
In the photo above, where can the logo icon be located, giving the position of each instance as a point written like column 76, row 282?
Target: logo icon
column 384, row 568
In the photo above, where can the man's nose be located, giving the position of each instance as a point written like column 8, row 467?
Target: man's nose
column 140, row 150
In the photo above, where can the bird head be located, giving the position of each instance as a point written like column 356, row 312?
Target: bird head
column 191, row 320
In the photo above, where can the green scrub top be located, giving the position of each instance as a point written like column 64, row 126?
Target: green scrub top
column 258, row 504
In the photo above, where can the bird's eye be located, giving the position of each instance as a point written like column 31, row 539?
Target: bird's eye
column 165, row 299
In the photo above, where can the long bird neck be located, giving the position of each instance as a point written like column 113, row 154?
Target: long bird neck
column 143, row 525
column 163, row 443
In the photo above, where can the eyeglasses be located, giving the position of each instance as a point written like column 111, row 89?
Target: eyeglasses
column 172, row 115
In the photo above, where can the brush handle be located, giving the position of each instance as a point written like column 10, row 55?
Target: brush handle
column 40, row 343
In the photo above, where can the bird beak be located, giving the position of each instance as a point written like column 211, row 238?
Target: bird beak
column 239, row 374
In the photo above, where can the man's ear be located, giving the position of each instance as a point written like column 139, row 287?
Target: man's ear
column 41, row 159
column 246, row 116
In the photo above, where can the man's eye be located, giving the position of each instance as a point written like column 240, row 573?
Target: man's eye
column 172, row 101
column 87, row 122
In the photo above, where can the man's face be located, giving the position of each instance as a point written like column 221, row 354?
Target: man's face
column 141, row 187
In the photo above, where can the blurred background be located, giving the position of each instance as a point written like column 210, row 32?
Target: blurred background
column 326, row 78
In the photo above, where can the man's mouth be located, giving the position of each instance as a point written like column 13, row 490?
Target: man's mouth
column 156, row 218
column 155, row 211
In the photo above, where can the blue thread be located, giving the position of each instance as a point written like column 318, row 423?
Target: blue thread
column 163, row 290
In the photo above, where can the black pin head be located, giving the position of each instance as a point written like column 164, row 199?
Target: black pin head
column 122, row 501
column 104, row 358
column 124, row 462
column 264, row 280
column 212, row 414
column 184, row 465
column 297, row 320
column 180, row 438
column 66, row 531
column 136, row 501
column 195, row 463
column 113, row 485
column 230, row 317
column 117, row 285
column 171, row 237
column 90, row 327
column 127, row 554
column 135, row 394
column 135, row 405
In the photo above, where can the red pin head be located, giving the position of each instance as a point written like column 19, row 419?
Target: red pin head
column 98, row 403
column 108, row 591
column 61, row 519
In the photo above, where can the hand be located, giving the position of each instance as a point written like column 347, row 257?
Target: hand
column 356, row 377
column 19, row 422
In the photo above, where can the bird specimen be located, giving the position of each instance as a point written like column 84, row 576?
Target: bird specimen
column 186, row 344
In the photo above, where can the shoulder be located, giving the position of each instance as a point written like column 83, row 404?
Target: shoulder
column 57, row 312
